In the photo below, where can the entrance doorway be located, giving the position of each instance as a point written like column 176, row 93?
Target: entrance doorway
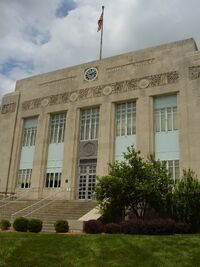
column 86, row 178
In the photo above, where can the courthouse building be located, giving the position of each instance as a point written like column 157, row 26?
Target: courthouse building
column 60, row 129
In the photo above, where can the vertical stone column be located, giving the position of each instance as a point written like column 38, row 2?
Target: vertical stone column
column 40, row 155
column 69, row 171
column 8, row 122
column 106, row 138
column 16, row 154
column 144, row 125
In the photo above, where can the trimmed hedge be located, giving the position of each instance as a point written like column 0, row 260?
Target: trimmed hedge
column 4, row 224
column 112, row 228
column 20, row 224
column 61, row 226
column 93, row 227
column 151, row 227
column 132, row 227
column 34, row 225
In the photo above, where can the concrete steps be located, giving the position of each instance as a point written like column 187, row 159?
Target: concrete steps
column 50, row 213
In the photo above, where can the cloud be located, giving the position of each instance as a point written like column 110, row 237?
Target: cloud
column 40, row 36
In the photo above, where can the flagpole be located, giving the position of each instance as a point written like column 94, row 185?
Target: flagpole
column 101, row 40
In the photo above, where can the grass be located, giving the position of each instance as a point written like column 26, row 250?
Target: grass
column 59, row 250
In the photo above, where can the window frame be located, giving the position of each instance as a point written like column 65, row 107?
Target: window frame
column 89, row 124
column 57, row 127
column 161, row 124
column 125, row 116
column 24, row 178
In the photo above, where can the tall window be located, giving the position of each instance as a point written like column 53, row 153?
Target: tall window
column 126, row 119
column 173, row 168
column 57, row 128
column 24, row 178
column 89, row 125
column 166, row 119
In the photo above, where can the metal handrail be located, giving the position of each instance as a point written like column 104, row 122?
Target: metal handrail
column 28, row 190
column 6, row 196
column 36, row 203
column 51, row 201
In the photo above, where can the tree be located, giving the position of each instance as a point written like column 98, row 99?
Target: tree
column 133, row 185
column 186, row 198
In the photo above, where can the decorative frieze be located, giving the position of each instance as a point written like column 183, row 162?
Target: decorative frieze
column 99, row 91
column 8, row 108
column 194, row 72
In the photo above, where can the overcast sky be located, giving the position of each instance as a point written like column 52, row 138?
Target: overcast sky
column 38, row 36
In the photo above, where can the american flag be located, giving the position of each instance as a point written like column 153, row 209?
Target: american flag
column 100, row 22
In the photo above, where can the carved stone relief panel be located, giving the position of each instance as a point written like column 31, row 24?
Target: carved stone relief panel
column 8, row 108
column 88, row 149
column 104, row 90
column 194, row 72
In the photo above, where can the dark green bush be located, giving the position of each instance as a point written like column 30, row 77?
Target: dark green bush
column 34, row 225
column 93, row 227
column 151, row 227
column 112, row 228
column 134, row 226
column 61, row 226
column 186, row 199
column 159, row 227
column 183, row 228
column 4, row 224
column 20, row 224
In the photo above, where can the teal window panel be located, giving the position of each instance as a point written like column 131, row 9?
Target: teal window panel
column 121, row 144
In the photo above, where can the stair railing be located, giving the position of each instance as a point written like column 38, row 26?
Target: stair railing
column 8, row 195
column 31, row 207
column 20, row 197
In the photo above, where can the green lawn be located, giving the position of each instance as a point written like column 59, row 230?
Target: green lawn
column 49, row 250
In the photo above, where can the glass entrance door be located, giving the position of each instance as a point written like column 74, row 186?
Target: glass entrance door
column 87, row 178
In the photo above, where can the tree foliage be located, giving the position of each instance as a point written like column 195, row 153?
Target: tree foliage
column 133, row 185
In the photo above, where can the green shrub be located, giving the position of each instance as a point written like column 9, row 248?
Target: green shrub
column 151, row 227
column 61, row 226
column 112, row 228
column 4, row 225
column 134, row 226
column 183, row 228
column 34, row 225
column 20, row 224
column 93, row 227
column 186, row 199
column 159, row 227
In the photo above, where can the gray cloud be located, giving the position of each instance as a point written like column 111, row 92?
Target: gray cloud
column 31, row 32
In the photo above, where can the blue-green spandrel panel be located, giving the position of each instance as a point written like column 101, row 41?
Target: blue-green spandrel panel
column 27, row 154
column 55, row 155
column 165, row 101
column 167, row 145
column 121, row 144
column 30, row 122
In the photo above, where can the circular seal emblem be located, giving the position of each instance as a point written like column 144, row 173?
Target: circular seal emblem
column 143, row 83
column 73, row 97
column 89, row 149
column 45, row 102
column 107, row 90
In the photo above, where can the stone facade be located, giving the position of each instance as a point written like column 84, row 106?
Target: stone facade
column 141, row 76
